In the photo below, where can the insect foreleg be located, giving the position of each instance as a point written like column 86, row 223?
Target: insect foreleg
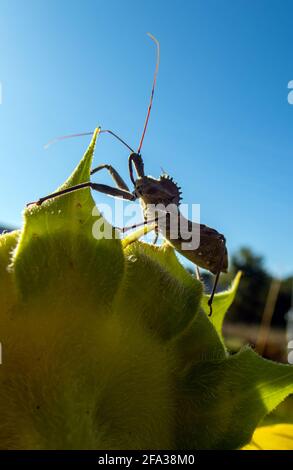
column 115, row 175
column 114, row 192
column 102, row 188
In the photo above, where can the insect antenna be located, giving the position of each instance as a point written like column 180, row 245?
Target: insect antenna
column 71, row 136
column 152, row 93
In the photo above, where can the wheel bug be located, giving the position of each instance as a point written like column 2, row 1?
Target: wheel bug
column 211, row 254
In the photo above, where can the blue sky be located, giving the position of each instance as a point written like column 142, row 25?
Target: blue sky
column 221, row 123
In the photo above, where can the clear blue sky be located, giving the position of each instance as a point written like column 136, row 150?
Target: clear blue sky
column 221, row 123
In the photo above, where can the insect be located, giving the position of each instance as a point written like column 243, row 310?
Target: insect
column 211, row 254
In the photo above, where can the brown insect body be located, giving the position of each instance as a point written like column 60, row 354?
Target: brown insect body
column 212, row 248
column 212, row 251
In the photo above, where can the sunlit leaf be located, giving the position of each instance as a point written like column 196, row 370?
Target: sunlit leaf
column 228, row 398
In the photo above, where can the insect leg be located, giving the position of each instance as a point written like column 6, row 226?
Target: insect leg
column 156, row 235
column 210, row 301
column 156, row 230
column 102, row 188
column 114, row 192
column 115, row 175
column 140, row 224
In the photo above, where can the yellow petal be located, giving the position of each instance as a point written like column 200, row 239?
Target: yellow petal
column 276, row 437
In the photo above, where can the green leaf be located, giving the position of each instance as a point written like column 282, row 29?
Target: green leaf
column 8, row 242
column 221, row 402
column 158, row 289
column 57, row 244
column 199, row 343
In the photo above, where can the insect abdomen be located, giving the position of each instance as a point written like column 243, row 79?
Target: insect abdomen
column 210, row 252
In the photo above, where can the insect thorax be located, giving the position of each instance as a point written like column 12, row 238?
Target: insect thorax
column 163, row 191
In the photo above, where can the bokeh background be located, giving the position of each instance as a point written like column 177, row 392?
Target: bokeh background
column 222, row 123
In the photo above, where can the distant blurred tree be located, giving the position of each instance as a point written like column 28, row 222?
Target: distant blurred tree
column 284, row 302
column 249, row 303
column 5, row 229
column 251, row 296
column 253, row 290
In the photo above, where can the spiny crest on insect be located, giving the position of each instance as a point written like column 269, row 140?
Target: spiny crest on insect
column 171, row 186
column 157, row 191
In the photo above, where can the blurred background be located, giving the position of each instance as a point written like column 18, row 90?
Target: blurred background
column 221, row 124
